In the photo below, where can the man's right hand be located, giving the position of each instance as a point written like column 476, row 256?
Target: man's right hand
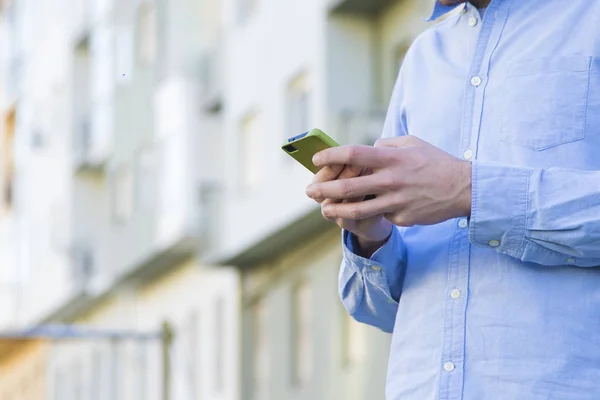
column 371, row 233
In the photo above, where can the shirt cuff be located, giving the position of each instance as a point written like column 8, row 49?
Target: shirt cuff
column 499, row 204
column 384, row 265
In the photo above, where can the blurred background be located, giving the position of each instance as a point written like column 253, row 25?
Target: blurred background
column 155, row 242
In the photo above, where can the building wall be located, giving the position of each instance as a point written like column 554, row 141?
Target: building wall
column 346, row 360
column 36, row 91
column 23, row 370
column 202, row 307
column 179, row 124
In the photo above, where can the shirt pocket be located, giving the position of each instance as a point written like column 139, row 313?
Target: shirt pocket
column 545, row 102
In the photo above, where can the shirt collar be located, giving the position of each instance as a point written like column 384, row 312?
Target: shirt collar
column 439, row 10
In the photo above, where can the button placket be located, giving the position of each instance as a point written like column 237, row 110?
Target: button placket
column 453, row 343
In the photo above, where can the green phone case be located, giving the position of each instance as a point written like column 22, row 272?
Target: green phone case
column 303, row 147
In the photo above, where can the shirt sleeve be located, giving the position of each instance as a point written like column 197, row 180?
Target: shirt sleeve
column 370, row 287
column 546, row 216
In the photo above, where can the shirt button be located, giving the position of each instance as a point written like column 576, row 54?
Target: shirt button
column 468, row 154
column 375, row 267
column 494, row 243
column 462, row 223
column 472, row 22
column 475, row 81
column 455, row 294
column 449, row 367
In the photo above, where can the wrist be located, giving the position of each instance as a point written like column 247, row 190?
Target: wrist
column 465, row 182
column 366, row 245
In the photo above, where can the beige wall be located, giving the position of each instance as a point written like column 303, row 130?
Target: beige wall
column 23, row 366
column 332, row 375
column 193, row 299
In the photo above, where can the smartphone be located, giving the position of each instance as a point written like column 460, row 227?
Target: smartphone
column 303, row 147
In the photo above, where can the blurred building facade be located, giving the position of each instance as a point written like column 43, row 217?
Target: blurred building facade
column 23, row 367
column 142, row 183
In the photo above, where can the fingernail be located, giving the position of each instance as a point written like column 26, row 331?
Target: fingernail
column 316, row 159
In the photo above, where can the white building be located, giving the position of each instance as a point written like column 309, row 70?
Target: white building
column 148, row 186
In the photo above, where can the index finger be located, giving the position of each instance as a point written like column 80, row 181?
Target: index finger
column 359, row 155
column 328, row 173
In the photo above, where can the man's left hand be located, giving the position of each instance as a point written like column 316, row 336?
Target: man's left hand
column 415, row 183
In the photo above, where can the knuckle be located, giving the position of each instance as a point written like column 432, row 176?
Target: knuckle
column 355, row 213
column 352, row 153
column 317, row 193
column 346, row 188
column 389, row 181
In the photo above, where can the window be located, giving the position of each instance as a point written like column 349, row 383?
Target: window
column 354, row 340
column 301, row 333
column 60, row 385
column 77, row 381
column 147, row 34
column 297, row 106
column 124, row 53
column 245, row 9
column 97, row 377
column 219, row 345
column 260, row 356
column 7, row 168
column 144, row 183
column 191, row 357
column 123, row 194
column 250, row 152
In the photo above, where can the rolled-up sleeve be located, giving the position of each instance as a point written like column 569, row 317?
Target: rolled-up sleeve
column 546, row 216
column 370, row 288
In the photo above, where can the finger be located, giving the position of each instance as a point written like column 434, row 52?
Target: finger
column 358, row 211
column 360, row 156
column 324, row 204
column 348, row 188
column 347, row 171
column 363, row 172
column 328, row 173
column 350, row 171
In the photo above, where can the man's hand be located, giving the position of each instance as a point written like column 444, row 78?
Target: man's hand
column 371, row 232
column 415, row 183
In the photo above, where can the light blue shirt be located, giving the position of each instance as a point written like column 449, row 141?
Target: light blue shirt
column 505, row 305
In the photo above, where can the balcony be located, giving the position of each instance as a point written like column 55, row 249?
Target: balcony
column 14, row 78
column 211, row 78
column 92, row 141
column 188, row 157
column 369, row 8
column 85, row 277
column 181, row 189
